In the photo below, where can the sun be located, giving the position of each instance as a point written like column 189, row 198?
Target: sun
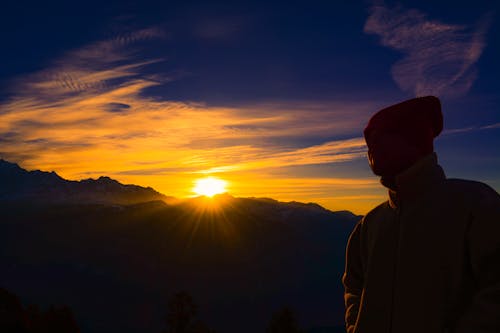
column 209, row 186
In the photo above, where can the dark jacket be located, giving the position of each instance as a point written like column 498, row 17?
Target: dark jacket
column 428, row 259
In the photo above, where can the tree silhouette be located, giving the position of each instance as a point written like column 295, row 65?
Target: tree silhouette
column 60, row 320
column 35, row 319
column 283, row 321
column 15, row 319
column 12, row 316
column 182, row 315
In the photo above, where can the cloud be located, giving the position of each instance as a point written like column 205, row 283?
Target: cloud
column 329, row 152
column 87, row 115
column 492, row 126
column 91, row 69
column 471, row 129
column 117, row 127
column 117, row 107
column 439, row 58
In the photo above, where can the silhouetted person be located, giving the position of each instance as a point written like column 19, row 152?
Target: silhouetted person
column 428, row 259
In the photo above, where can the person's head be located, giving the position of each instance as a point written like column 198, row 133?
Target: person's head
column 401, row 134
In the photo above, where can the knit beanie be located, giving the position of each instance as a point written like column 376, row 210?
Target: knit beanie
column 418, row 120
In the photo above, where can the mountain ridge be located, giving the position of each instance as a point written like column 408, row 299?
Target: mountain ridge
column 48, row 186
column 21, row 184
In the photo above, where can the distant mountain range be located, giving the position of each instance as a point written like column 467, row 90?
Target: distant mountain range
column 114, row 253
column 19, row 184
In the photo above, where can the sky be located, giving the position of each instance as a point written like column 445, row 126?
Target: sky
column 269, row 96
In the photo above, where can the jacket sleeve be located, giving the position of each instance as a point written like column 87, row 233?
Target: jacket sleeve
column 353, row 278
column 483, row 238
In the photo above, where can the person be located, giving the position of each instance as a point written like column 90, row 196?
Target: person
column 427, row 259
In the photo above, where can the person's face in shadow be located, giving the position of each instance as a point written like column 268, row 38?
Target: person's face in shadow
column 390, row 153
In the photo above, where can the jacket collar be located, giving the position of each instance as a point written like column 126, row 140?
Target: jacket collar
column 414, row 181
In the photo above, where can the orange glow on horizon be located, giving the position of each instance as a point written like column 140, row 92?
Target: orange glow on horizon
column 98, row 129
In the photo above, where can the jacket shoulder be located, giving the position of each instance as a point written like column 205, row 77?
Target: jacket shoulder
column 377, row 213
column 470, row 189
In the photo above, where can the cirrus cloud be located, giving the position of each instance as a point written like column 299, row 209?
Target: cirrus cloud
column 439, row 58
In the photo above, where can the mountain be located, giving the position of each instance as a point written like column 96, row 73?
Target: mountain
column 116, row 263
column 19, row 184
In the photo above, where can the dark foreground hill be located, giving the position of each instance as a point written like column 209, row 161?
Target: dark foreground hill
column 116, row 265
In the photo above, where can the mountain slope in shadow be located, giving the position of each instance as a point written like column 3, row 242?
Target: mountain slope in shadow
column 116, row 264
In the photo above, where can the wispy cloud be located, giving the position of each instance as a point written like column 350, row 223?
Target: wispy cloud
column 94, row 68
column 329, row 152
column 439, row 58
column 471, row 129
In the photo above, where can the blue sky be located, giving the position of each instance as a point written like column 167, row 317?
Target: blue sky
column 271, row 96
